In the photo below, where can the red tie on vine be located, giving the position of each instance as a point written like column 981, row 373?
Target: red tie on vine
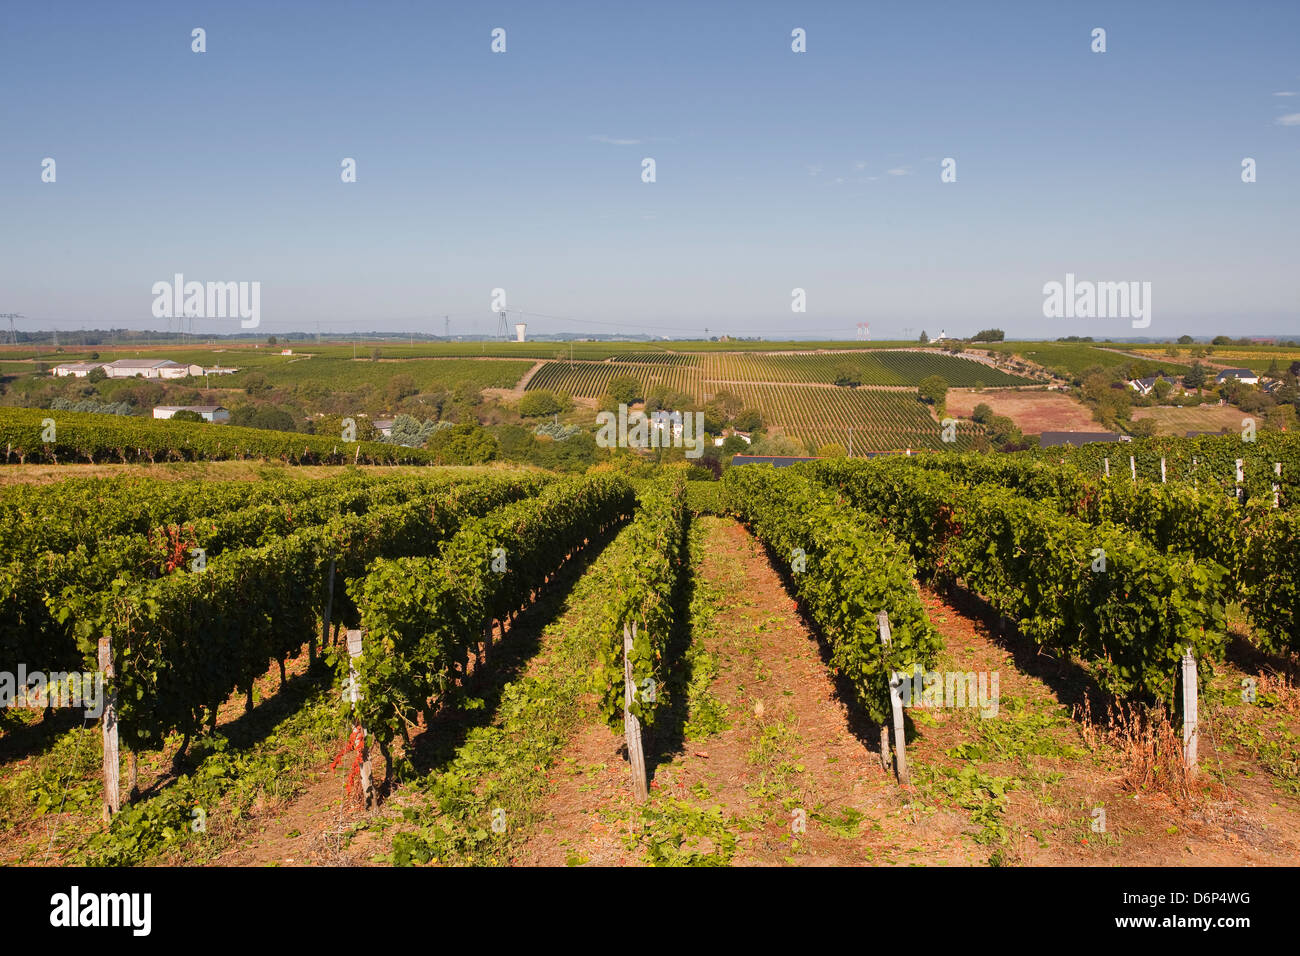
column 355, row 742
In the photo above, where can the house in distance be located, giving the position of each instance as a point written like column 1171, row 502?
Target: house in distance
column 1243, row 375
column 209, row 413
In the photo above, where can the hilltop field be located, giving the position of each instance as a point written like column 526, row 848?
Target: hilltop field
column 798, row 398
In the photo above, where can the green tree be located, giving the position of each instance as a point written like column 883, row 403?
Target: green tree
column 1003, row 432
column 251, row 415
column 924, row 339
column 624, row 390
column 988, row 335
column 538, row 403
column 463, row 445
column 982, row 413
column 516, row 442
column 1280, row 417
column 255, row 383
column 734, row 445
column 663, row 397
column 847, row 375
column 778, row 445
column 400, row 387
column 832, row 450
column 748, row 420
column 1195, row 376
column 273, row 419
column 1185, row 340
column 715, row 419
column 185, row 415
column 933, row 390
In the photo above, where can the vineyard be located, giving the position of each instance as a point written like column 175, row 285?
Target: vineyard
column 428, row 374
column 707, row 373
column 372, row 618
column 591, row 379
column 36, row 435
column 881, row 420
column 795, row 392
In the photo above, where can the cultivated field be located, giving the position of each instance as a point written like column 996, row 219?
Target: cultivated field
column 1201, row 418
column 493, row 702
column 1034, row 411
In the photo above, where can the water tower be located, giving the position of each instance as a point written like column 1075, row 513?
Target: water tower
column 520, row 328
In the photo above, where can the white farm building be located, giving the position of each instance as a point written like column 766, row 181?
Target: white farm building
column 210, row 413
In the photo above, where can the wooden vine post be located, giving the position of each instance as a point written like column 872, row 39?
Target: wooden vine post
column 1240, row 477
column 112, row 767
column 1277, row 473
column 354, row 693
column 896, row 704
column 1133, row 468
column 1106, row 464
column 1189, row 709
column 325, row 616
column 1162, row 471
column 631, row 725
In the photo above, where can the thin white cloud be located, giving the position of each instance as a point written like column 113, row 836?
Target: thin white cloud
column 1286, row 93
column 814, row 170
column 899, row 171
column 860, row 164
column 613, row 141
column 1290, row 119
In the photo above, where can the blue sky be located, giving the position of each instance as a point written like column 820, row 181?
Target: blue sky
column 775, row 170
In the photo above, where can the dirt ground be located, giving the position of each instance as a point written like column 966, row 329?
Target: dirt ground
column 791, row 748
column 1034, row 411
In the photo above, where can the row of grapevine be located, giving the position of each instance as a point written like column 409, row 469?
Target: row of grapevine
column 845, row 569
column 649, row 567
column 1096, row 591
column 78, row 437
column 423, row 615
column 1204, row 461
column 34, row 589
column 183, row 642
column 1250, row 542
column 88, row 511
